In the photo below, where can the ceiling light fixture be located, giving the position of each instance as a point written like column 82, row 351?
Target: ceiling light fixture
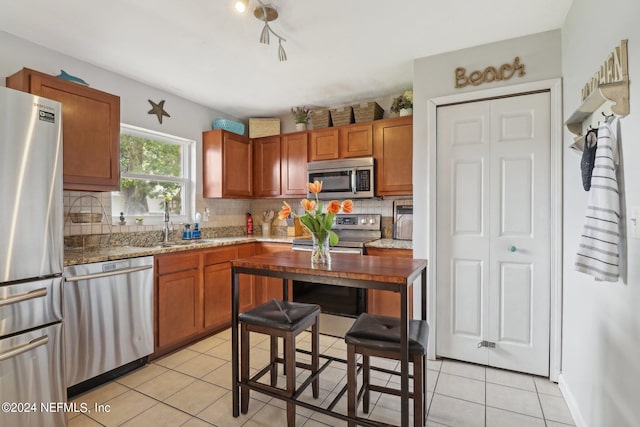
column 265, row 13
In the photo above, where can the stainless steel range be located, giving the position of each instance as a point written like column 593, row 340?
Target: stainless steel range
column 340, row 305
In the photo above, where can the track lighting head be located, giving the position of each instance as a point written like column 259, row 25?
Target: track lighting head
column 282, row 55
column 264, row 36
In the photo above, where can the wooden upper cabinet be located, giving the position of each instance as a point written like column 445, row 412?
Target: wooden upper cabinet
column 393, row 153
column 356, row 140
column 341, row 142
column 266, row 166
column 90, row 128
column 226, row 164
column 294, row 164
column 324, row 144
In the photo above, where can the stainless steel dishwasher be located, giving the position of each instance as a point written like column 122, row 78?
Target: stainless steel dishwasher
column 108, row 317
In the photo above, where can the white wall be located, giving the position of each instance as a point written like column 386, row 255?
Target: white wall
column 434, row 77
column 187, row 120
column 601, row 332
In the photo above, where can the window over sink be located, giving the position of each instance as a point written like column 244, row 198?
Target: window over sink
column 153, row 166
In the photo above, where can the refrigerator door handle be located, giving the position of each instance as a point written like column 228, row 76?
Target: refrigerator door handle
column 24, row 348
column 36, row 293
column 107, row 274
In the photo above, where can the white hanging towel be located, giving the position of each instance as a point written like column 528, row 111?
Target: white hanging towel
column 598, row 252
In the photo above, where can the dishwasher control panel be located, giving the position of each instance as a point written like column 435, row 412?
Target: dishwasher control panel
column 118, row 265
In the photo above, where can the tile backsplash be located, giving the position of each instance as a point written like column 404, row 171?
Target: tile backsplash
column 222, row 213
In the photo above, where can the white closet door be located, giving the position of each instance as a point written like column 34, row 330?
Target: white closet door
column 464, row 150
column 493, row 246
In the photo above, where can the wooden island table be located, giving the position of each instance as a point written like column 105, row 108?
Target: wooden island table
column 369, row 272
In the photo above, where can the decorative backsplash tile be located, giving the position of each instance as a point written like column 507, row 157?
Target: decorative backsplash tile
column 226, row 217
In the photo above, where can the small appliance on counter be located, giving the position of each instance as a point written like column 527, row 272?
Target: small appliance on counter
column 402, row 219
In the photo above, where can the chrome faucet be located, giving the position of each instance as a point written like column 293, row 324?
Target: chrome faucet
column 165, row 227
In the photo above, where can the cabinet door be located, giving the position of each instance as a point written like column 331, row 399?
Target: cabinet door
column 246, row 288
column 266, row 166
column 217, row 295
column 323, row 144
column 387, row 303
column 236, row 169
column 268, row 288
column 90, row 130
column 179, row 306
column 393, row 152
column 356, row 141
column 294, row 165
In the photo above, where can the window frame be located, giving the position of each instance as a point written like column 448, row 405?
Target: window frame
column 187, row 178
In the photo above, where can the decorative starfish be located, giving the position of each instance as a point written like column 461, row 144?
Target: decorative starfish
column 158, row 110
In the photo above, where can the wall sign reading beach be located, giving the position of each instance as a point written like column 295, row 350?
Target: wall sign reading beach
column 489, row 74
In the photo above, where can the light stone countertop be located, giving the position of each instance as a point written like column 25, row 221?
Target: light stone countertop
column 78, row 256
column 390, row 244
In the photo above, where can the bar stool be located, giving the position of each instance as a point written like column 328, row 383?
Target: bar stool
column 285, row 320
column 373, row 335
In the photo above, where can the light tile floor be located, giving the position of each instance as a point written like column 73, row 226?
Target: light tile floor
column 192, row 388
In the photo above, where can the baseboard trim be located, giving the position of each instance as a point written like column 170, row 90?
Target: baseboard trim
column 571, row 402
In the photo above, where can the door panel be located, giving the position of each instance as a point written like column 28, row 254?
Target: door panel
column 493, row 210
column 463, row 244
column 467, row 298
column 467, row 208
column 524, row 133
column 516, row 197
column 515, row 320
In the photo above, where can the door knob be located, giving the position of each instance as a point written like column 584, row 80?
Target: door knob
column 512, row 248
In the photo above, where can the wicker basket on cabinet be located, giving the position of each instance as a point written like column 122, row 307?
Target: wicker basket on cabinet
column 320, row 118
column 342, row 116
column 367, row 112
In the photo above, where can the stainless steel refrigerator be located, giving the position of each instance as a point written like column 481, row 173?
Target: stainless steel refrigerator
column 32, row 389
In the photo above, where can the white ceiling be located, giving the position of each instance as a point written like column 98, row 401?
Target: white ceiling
column 339, row 51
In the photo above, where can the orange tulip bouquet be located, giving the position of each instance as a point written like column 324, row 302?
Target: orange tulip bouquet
column 319, row 223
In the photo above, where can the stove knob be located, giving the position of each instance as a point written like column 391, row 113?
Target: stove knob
column 363, row 221
column 372, row 221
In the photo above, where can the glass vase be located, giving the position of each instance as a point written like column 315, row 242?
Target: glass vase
column 320, row 252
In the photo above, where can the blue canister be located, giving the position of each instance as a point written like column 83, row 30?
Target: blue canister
column 186, row 233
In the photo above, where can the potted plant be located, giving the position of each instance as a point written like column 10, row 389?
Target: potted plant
column 139, row 220
column 403, row 104
column 301, row 117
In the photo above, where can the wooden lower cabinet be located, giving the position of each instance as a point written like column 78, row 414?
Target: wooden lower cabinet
column 268, row 288
column 193, row 294
column 217, row 296
column 179, row 299
column 387, row 303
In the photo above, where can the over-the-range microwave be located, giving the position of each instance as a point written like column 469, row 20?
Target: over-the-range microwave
column 345, row 178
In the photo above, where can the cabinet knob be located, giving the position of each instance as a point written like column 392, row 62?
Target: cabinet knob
column 512, row 248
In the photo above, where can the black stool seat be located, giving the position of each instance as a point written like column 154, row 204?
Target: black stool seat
column 283, row 315
column 383, row 333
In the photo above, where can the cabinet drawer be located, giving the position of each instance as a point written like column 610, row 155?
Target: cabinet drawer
column 217, row 256
column 177, row 262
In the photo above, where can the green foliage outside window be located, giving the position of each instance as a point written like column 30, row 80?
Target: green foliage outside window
column 148, row 157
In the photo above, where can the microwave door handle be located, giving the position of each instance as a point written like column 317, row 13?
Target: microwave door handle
column 353, row 181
